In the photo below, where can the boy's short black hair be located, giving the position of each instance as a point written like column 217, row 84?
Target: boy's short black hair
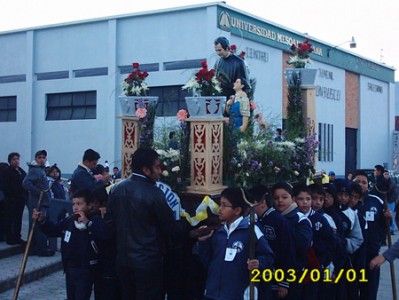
column 356, row 188
column 282, row 185
column 342, row 186
column 301, row 188
column 317, row 189
column 259, row 193
column 12, row 155
column 91, row 155
column 360, row 173
column 234, row 196
column 99, row 169
column 143, row 157
column 86, row 194
column 330, row 188
column 224, row 42
column 379, row 168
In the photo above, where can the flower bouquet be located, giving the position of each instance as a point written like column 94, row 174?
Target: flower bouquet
column 301, row 53
column 206, row 101
column 135, row 92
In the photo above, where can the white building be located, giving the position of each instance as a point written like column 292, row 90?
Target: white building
column 59, row 85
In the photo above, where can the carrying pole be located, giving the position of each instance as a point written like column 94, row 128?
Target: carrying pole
column 28, row 244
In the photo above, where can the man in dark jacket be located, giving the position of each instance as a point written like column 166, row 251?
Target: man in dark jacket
column 228, row 67
column 82, row 177
column 142, row 220
column 36, row 184
column 15, row 200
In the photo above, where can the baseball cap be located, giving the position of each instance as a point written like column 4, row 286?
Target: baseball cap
column 41, row 152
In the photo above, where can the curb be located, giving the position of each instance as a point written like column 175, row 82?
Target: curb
column 30, row 276
column 8, row 251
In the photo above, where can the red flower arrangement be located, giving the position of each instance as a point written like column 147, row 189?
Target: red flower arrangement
column 133, row 84
column 204, row 83
column 300, row 54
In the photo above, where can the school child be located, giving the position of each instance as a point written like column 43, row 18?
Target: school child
column 352, row 231
column 106, row 283
column 300, row 231
column 330, row 208
column 321, row 200
column 358, row 258
column 321, row 251
column 277, row 232
column 79, row 250
column 318, row 198
column 226, row 250
column 375, row 216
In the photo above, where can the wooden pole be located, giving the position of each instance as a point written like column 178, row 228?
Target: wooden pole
column 29, row 242
column 252, row 240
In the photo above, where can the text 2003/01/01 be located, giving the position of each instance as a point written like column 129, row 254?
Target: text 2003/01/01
column 314, row 275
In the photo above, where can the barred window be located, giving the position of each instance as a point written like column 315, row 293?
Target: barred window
column 326, row 142
column 8, row 109
column 71, row 106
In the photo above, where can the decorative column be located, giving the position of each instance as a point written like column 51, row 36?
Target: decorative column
column 309, row 112
column 206, row 145
column 130, row 142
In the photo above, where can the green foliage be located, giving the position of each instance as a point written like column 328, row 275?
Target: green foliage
column 295, row 123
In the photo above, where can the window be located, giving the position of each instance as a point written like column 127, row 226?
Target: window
column 71, row 106
column 326, row 145
column 171, row 99
column 8, row 109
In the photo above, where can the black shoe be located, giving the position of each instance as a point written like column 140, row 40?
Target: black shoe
column 46, row 253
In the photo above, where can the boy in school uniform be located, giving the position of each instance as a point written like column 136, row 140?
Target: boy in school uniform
column 321, row 251
column 277, row 232
column 375, row 215
column 226, row 250
column 79, row 251
column 300, row 231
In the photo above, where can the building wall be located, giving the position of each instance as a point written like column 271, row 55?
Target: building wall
column 161, row 38
column 352, row 100
column 374, row 132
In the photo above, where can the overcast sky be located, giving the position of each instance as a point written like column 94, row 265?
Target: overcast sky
column 374, row 24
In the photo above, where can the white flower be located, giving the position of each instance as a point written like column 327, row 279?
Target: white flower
column 296, row 173
column 165, row 173
column 176, row 169
column 161, row 152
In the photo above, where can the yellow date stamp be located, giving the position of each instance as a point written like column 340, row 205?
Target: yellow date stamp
column 313, row 275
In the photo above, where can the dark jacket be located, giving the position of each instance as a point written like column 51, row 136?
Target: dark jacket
column 228, row 70
column 227, row 280
column 277, row 232
column 373, row 207
column 35, row 182
column 13, row 184
column 323, row 238
column 142, row 220
column 301, row 232
column 80, row 248
column 82, row 179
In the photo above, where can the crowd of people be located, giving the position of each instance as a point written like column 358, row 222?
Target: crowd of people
column 320, row 241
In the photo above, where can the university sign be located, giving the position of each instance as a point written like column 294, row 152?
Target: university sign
column 259, row 31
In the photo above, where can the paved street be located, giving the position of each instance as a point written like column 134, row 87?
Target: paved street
column 52, row 287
